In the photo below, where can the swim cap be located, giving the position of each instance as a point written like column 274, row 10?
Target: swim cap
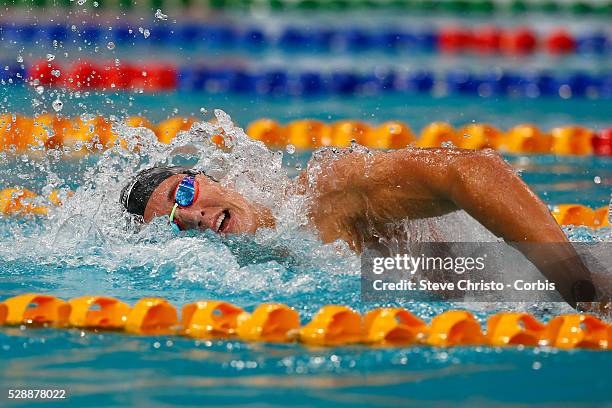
column 136, row 194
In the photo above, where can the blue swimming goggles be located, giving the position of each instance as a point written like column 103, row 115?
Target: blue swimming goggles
column 185, row 195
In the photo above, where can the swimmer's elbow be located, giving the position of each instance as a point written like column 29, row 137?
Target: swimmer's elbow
column 475, row 172
column 489, row 156
column 478, row 162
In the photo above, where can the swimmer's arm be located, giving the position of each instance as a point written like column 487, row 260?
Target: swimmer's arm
column 392, row 186
column 487, row 188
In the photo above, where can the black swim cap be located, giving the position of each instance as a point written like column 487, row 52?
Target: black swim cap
column 136, row 194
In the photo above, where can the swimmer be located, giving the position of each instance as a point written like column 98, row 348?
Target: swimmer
column 354, row 196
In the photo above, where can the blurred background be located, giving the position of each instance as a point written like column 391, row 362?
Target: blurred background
column 503, row 62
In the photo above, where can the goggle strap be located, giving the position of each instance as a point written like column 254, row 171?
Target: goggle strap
column 172, row 213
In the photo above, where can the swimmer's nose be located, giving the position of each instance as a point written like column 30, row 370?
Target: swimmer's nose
column 190, row 218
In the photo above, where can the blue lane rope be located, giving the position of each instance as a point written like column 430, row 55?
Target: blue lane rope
column 289, row 39
column 283, row 82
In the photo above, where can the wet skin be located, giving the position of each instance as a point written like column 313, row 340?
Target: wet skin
column 354, row 195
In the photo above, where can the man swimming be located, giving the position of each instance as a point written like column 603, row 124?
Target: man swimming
column 355, row 196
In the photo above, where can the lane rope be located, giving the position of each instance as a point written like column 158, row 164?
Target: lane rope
column 485, row 39
column 275, row 82
column 19, row 133
column 332, row 325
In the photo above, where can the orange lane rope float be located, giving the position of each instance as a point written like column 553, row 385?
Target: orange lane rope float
column 523, row 139
column 21, row 201
column 19, row 133
column 332, row 325
column 576, row 214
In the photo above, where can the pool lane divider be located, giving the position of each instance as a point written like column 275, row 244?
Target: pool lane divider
column 274, row 82
column 520, row 139
column 17, row 201
column 20, row 133
column 451, row 7
column 332, row 325
column 484, row 40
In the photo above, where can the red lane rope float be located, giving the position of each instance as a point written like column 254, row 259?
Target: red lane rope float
column 102, row 76
column 494, row 40
column 333, row 325
column 3, row 313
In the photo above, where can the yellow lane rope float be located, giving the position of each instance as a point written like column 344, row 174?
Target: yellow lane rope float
column 18, row 133
column 332, row 325
column 21, row 201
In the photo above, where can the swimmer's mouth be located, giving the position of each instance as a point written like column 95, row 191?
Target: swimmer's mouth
column 222, row 221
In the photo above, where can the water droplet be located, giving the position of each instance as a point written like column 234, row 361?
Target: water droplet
column 110, row 45
column 146, row 33
column 203, row 111
column 81, row 2
column 536, row 365
column 50, row 57
column 290, row 149
column 19, row 59
column 57, row 105
column 565, row 91
column 160, row 16
column 597, row 180
column 56, row 73
column 40, row 89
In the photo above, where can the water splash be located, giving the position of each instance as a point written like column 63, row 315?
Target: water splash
column 90, row 243
column 91, row 231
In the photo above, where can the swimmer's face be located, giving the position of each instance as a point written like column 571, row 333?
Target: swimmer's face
column 217, row 208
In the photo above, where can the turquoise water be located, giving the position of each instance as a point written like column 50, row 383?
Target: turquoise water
column 83, row 249
column 416, row 110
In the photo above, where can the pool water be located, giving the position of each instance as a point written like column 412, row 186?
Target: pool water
column 83, row 248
